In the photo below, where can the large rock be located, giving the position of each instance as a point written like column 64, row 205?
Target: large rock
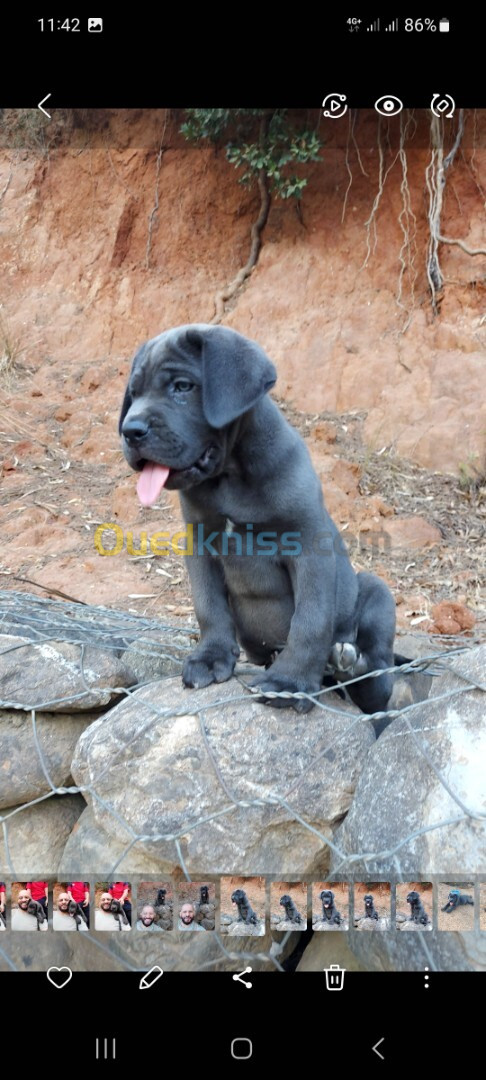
column 240, row 785
column 80, row 952
column 34, row 952
column 37, row 835
column 397, row 952
column 52, row 676
column 22, row 777
column 322, row 951
column 435, row 751
column 163, row 654
column 92, row 850
column 179, row 951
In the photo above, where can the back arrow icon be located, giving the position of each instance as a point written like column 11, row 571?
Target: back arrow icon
column 377, row 1051
column 41, row 104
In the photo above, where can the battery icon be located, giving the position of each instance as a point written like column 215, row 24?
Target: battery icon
column 444, row 26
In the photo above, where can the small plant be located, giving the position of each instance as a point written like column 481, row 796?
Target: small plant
column 471, row 476
column 258, row 140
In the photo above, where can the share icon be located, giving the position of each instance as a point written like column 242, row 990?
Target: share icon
column 239, row 978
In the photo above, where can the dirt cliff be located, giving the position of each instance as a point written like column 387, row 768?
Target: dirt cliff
column 118, row 229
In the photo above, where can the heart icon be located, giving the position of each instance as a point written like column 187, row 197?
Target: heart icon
column 59, row 977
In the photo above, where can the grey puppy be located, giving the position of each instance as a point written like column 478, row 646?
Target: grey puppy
column 245, row 910
column 271, row 570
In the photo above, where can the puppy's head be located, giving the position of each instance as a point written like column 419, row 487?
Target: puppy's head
column 238, row 897
column 368, row 899
column 327, row 897
column 412, row 898
column 36, row 909
column 284, row 900
column 186, row 388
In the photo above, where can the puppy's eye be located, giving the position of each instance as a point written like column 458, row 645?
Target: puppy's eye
column 183, row 385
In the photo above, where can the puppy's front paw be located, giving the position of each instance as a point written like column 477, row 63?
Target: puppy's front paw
column 211, row 663
column 275, row 684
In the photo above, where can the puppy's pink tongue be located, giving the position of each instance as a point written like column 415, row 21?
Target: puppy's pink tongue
column 150, row 482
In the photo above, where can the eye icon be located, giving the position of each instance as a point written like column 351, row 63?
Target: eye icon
column 388, row 105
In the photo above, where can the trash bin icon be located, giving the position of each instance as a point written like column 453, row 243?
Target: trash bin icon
column 334, row 977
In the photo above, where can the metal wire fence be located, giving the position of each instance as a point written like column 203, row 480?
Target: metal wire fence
column 38, row 621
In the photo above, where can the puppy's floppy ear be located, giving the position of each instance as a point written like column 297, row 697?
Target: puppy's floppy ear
column 235, row 373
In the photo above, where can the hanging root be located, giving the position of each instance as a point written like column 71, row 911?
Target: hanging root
column 370, row 224
column 408, row 225
column 351, row 137
column 257, row 228
column 436, row 180
column 155, row 208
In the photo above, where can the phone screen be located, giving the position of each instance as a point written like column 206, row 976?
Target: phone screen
column 242, row 333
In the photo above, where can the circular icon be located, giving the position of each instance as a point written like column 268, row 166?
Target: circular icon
column 443, row 105
column 389, row 105
column 334, row 106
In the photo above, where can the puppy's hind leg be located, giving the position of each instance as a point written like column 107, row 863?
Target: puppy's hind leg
column 373, row 648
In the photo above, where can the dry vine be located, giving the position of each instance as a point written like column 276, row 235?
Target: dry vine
column 435, row 176
column 155, row 208
column 408, row 225
column 257, row 228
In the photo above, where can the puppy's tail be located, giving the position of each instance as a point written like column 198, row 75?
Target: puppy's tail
column 423, row 669
column 399, row 659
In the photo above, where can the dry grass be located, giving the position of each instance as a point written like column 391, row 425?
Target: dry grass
column 9, row 352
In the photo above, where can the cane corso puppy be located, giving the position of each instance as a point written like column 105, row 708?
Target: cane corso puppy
column 370, row 910
column 269, row 569
column 417, row 911
column 245, row 910
column 292, row 914
column 456, row 899
column 330, row 912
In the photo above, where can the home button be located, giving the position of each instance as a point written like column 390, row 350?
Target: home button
column 241, row 1049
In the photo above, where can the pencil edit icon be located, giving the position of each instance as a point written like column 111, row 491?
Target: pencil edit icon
column 150, row 977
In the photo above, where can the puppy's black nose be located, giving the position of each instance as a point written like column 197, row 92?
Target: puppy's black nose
column 135, row 430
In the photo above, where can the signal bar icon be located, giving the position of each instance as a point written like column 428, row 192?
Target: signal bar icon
column 374, row 25
column 393, row 26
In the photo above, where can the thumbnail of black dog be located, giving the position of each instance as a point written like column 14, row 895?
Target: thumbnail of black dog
column 245, row 910
column 76, row 912
column 37, row 911
column 291, row 912
column 370, row 911
column 329, row 909
column 204, row 895
column 456, row 899
column 118, row 912
column 417, row 911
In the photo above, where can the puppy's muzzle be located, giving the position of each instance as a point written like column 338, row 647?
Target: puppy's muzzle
column 135, row 430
